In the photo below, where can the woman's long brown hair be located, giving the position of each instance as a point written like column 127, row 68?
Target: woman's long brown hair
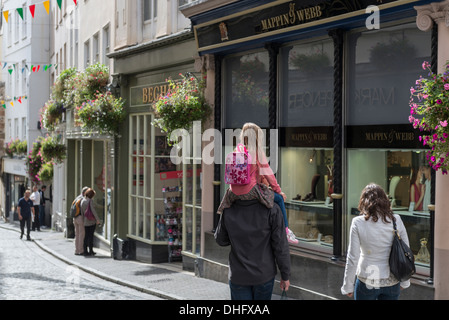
column 375, row 204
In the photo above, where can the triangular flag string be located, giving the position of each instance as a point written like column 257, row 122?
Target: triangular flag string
column 32, row 9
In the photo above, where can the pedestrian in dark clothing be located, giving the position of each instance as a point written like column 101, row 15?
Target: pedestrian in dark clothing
column 89, row 225
column 258, row 243
column 42, row 206
column 25, row 209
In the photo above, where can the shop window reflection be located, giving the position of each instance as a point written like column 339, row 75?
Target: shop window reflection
column 246, row 95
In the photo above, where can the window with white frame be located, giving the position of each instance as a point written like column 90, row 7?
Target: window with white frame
column 25, row 21
column 155, row 183
column 86, row 53
column 9, row 30
column 16, row 128
column 96, row 48
column 16, row 26
column 16, row 79
column 24, row 128
column 149, row 9
column 24, row 77
column 106, row 44
column 9, row 133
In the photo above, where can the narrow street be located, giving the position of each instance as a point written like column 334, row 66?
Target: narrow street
column 29, row 273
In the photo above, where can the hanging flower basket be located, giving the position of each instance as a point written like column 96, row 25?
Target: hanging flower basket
column 183, row 104
column 46, row 172
column 53, row 150
column 62, row 84
column 429, row 111
column 51, row 114
column 16, row 147
column 104, row 114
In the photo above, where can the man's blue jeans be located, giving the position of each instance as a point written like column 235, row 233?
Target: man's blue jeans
column 362, row 292
column 259, row 292
column 42, row 215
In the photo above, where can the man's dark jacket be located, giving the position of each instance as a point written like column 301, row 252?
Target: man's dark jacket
column 258, row 242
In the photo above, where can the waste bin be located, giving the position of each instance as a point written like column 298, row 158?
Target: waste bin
column 123, row 249
column 117, row 246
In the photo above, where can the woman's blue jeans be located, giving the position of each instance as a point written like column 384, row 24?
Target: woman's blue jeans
column 362, row 292
column 259, row 292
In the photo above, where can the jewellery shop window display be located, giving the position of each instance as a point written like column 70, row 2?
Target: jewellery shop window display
column 382, row 147
column 306, row 137
column 155, row 183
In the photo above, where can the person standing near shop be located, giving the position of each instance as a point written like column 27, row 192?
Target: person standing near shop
column 370, row 241
column 36, row 198
column 258, row 243
column 78, row 222
column 25, row 209
column 42, row 206
column 89, row 225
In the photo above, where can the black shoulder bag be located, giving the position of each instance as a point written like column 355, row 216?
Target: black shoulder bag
column 402, row 261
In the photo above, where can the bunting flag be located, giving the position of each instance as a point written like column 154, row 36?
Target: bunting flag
column 20, row 12
column 47, row 6
column 32, row 68
column 32, row 9
column 11, row 101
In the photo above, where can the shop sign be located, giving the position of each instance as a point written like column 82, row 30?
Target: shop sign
column 383, row 136
column 307, row 137
column 278, row 17
column 147, row 95
column 15, row 166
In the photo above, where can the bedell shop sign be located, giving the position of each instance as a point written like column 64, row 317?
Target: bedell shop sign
column 145, row 95
column 278, row 16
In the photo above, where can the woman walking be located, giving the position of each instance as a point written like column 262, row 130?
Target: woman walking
column 370, row 242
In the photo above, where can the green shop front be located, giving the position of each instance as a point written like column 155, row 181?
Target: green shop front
column 337, row 92
column 158, row 202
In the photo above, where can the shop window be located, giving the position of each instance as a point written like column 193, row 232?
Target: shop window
column 155, row 183
column 382, row 147
column 405, row 177
column 306, row 137
column 92, row 166
column 306, row 179
column 246, row 90
column 192, row 206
